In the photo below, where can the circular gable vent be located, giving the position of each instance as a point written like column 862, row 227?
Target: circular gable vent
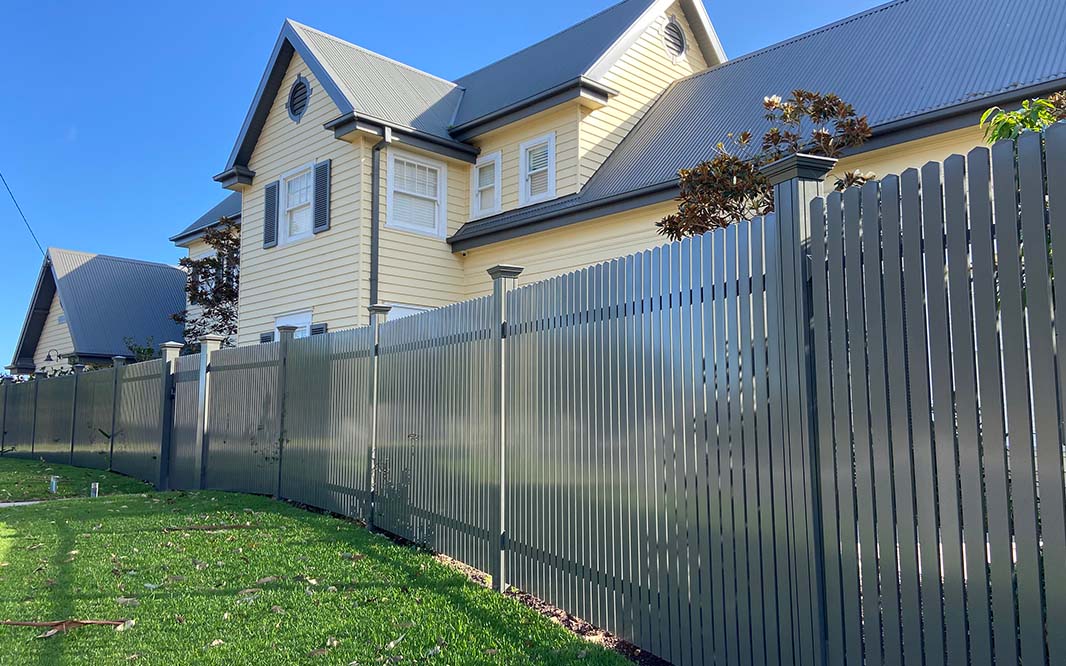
column 299, row 95
column 674, row 37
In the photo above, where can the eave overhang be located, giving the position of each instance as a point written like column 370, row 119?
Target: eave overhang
column 590, row 93
column 235, row 177
column 347, row 125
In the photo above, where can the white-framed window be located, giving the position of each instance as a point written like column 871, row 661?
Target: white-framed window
column 485, row 186
column 297, row 196
column 416, row 196
column 401, row 310
column 537, row 169
column 301, row 320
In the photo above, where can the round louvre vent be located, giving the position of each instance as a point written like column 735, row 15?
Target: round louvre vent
column 299, row 95
column 674, row 37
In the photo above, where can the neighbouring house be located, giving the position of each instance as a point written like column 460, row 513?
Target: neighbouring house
column 86, row 306
column 366, row 180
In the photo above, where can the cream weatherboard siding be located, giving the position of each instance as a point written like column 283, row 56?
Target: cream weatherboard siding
column 197, row 249
column 415, row 268
column 320, row 273
column 563, row 122
column 54, row 335
column 639, row 75
column 894, row 159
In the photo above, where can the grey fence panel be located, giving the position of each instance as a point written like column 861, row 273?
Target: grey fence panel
column 326, row 445
column 138, row 425
column 184, row 455
column 92, row 419
column 19, row 418
column 941, row 406
column 638, row 462
column 242, row 425
column 55, row 409
column 437, row 476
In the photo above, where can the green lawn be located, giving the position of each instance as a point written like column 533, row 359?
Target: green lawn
column 288, row 587
column 23, row 479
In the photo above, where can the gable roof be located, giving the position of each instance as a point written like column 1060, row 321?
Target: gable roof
column 371, row 91
column 565, row 56
column 230, row 207
column 913, row 67
column 105, row 299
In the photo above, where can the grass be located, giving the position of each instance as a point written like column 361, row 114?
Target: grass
column 23, row 479
column 289, row 587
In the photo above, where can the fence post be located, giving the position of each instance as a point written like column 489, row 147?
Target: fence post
column 504, row 278
column 208, row 345
column 33, row 425
column 169, row 351
column 3, row 415
column 117, row 362
column 379, row 314
column 78, row 369
column 797, row 181
column 285, row 336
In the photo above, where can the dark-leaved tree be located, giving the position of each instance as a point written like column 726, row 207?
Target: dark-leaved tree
column 212, row 283
column 731, row 187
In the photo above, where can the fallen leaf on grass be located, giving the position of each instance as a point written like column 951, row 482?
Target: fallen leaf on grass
column 128, row 624
column 59, row 626
column 393, row 643
column 34, row 546
column 268, row 579
column 215, row 643
column 175, row 579
column 127, row 601
column 277, row 609
column 209, row 528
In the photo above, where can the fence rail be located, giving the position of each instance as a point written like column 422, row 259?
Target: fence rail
column 833, row 435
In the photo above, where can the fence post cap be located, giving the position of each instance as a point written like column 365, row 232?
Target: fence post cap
column 172, row 345
column 799, row 165
column 118, row 361
column 379, row 308
column 286, row 332
column 505, row 271
column 213, row 337
column 79, row 367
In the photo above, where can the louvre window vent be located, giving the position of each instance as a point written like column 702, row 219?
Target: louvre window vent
column 674, row 37
column 299, row 95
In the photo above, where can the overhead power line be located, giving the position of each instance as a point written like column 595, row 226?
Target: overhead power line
column 19, row 208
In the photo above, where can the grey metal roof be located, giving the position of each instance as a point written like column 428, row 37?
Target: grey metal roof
column 382, row 88
column 909, row 61
column 229, row 207
column 558, row 59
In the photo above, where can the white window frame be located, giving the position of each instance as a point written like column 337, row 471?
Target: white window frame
column 298, row 319
column 475, row 210
column 283, row 210
column 442, row 195
column 524, row 197
column 412, row 310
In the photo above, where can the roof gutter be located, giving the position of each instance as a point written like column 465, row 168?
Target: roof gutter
column 581, row 87
column 347, row 124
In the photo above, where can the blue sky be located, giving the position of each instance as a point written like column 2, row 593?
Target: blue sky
column 115, row 115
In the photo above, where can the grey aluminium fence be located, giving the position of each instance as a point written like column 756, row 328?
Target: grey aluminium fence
column 832, row 435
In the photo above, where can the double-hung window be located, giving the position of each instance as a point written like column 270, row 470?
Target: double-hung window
column 416, row 194
column 485, row 189
column 537, row 168
column 297, row 195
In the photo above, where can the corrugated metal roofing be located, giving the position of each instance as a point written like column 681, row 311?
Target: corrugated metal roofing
column 385, row 89
column 229, row 207
column 560, row 58
column 893, row 62
column 107, row 299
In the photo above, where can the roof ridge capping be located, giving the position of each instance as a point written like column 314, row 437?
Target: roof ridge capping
column 385, row 58
column 97, row 255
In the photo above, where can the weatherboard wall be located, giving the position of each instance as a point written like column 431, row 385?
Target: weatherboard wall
column 55, row 335
column 318, row 273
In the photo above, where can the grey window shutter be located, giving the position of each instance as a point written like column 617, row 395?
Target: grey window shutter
column 319, row 329
column 266, row 337
column 321, row 214
column 270, row 215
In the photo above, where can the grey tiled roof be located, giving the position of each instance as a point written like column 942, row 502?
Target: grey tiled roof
column 229, row 207
column 908, row 60
column 556, row 60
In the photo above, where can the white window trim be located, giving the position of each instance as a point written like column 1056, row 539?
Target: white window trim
column 416, row 309
column 442, row 192
column 297, row 319
column 524, row 198
column 494, row 159
column 283, row 212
